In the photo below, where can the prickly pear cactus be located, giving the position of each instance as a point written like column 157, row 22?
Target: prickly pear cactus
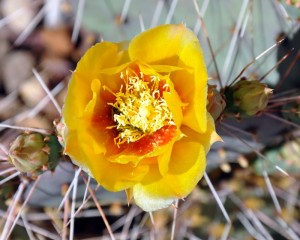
column 251, row 182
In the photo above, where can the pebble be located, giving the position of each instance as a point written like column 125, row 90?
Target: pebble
column 16, row 68
column 31, row 92
column 19, row 13
column 56, row 41
column 56, row 68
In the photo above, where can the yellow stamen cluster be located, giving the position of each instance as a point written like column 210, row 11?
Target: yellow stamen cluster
column 139, row 108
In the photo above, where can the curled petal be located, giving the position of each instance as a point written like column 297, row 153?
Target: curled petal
column 102, row 55
column 174, row 37
column 186, row 167
column 153, row 192
column 206, row 139
column 185, row 170
column 175, row 105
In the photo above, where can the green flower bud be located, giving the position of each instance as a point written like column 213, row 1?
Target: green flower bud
column 250, row 97
column 215, row 102
column 33, row 152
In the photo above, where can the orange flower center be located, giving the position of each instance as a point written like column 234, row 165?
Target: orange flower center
column 140, row 108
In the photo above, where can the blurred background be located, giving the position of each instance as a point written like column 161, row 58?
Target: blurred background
column 251, row 189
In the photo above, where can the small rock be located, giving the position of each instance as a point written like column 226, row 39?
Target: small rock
column 32, row 92
column 50, row 111
column 9, row 106
column 36, row 122
column 4, row 48
column 57, row 41
column 20, row 12
column 56, row 68
column 16, row 68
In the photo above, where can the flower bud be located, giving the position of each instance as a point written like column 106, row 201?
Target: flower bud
column 215, row 102
column 250, row 97
column 33, row 152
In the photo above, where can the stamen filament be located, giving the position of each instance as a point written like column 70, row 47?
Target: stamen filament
column 139, row 108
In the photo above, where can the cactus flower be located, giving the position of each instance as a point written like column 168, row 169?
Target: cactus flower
column 135, row 115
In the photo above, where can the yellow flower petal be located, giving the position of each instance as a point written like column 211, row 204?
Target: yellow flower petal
column 185, row 170
column 186, row 167
column 206, row 139
column 96, row 107
column 175, row 45
column 153, row 192
column 161, row 45
column 148, row 202
column 74, row 105
column 192, row 91
column 112, row 176
column 71, row 144
column 129, row 194
column 154, row 69
column 122, row 177
column 175, row 105
column 100, row 56
column 164, row 159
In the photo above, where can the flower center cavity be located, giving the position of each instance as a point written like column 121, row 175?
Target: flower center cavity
column 140, row 108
